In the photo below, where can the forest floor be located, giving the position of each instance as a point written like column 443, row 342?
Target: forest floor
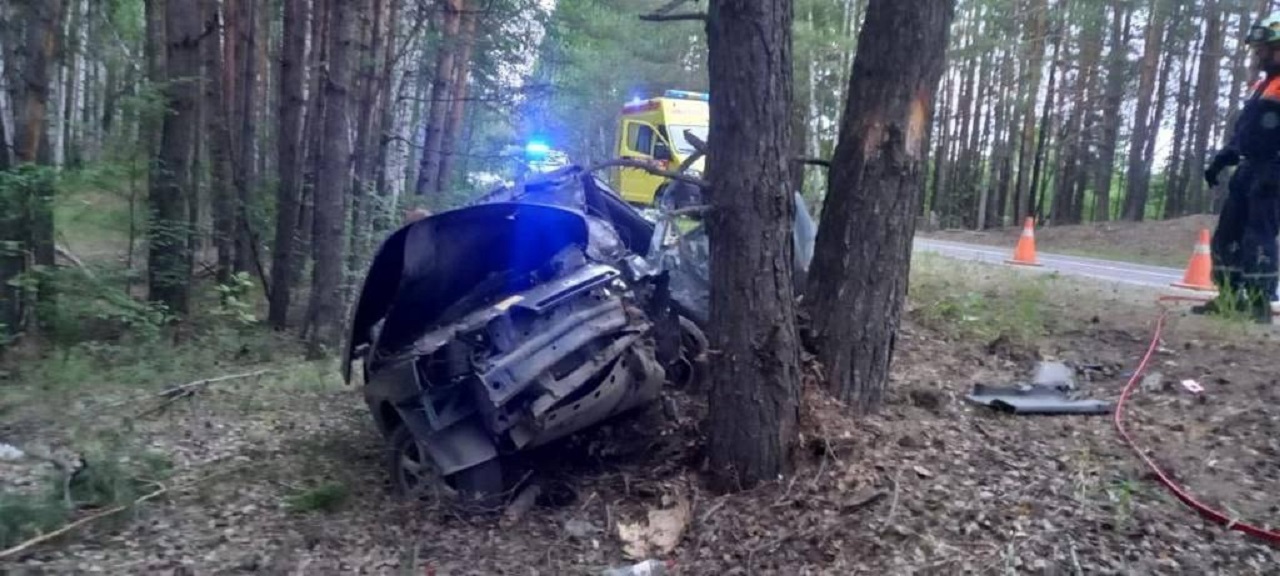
column 1157, row 243
column 281, row 473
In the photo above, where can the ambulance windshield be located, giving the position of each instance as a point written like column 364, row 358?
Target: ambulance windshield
column 676, row 132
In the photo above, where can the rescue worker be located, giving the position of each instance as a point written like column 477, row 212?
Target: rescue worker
column 1244, row 242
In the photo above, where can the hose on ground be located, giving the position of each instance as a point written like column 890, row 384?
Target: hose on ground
column 1178, row 491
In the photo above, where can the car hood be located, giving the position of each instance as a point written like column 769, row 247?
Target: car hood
column 424, row 268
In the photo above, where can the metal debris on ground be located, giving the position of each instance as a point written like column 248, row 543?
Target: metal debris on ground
column 1051, row 393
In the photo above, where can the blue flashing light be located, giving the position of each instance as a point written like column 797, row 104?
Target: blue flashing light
column 687, row 95
column 536, row 149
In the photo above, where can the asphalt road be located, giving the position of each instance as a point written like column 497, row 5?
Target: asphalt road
column 1108, row 270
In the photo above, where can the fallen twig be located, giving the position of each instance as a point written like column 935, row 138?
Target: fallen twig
column 171, row 395
column 78, row 523
column 22, row 547
column 183, row 389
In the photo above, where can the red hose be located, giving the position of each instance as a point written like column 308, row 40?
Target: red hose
column 1178, row 491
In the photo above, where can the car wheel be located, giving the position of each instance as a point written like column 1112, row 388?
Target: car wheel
column 415, row 476
column 690, row 370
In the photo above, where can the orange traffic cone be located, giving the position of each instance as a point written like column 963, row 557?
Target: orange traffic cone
column 1198, row 276
column 1025, row 253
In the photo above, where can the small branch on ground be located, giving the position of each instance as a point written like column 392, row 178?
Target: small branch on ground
column 171, row 395
column 160, row 491
column 641, row 165
column 180, row 390
column 78, row 523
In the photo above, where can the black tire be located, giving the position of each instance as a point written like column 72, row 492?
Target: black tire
column 479, row 487
column 690, row 371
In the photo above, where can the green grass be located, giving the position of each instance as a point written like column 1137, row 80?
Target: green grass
column 23, row 516
column 971, row 301
column 328, row 498
column 114, row 473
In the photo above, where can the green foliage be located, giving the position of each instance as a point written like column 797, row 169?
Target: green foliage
column 598, row 55
column 234, row 297
column 23, row 516
column 113, row 474
column 328, row 497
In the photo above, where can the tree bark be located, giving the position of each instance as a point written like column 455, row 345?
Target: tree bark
column 1112, row 100
column 863, row 254
column 1036, row 192
column 453, row 128
column 154, row 50
column 289, row 157
column 313, row 135
column 245, row 174
column 441, row 92
column 26, row 214
column 1207, row 117
column 1138, row 178
column 325, row 308
column 754, row 398
column 1033, row 41
column 218, row 129
column 168, row 261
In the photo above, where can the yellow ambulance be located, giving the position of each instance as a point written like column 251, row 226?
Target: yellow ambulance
column 653, row 130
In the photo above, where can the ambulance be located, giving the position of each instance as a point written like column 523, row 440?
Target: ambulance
column 653, row 131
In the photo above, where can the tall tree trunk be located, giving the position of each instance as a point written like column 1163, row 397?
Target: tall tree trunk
column 441, row 94
column 218, row 128
column 26, row 215
column 1036, row 187
column 313, row 135
column 246, row 133
column 863, row 254
column 154, row 50
column 457, row 111
column 1175, row 183
column 168, row 263
column 387, row 106
column 1207, row 117
column 755, row 391
column 1138, row 179
column 325, row 308
column 1112, row 100
column 371, row 84
column 289, row 163
column 942, row 136
column 1034, row 44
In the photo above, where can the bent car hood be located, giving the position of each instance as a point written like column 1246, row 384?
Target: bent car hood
column 426, row 267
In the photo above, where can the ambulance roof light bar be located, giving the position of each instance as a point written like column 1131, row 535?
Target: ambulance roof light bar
column 687, row 95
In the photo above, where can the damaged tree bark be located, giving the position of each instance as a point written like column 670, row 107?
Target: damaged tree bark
column 863, row 252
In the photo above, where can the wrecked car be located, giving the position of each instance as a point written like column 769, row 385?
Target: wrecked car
column 538, row 311
column 498, row 327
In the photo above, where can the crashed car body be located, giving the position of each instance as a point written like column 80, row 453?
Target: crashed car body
column 685, row 259
column 497, row 327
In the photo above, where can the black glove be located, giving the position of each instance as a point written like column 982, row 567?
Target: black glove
column 1225, row 157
